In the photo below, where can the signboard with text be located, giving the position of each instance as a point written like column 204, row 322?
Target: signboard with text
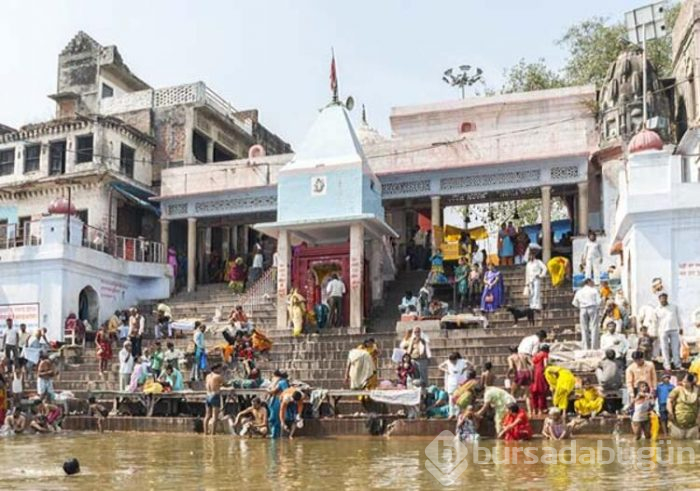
column 20, row 313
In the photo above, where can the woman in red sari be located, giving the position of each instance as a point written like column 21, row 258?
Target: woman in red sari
column 516, row 425
column 104, row 348
column 539, row 387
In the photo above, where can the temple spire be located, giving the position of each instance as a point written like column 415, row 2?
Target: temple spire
column 334, row 78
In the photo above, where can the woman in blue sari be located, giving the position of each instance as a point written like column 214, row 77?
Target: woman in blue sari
column 279, row 384
column 492, row 297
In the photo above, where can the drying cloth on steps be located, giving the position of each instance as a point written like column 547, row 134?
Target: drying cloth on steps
column 407, row 397
column 317, row 398
column 464, row 320
column 184, row 324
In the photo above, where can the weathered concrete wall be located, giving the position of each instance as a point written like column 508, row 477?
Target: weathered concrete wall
column 170, row 129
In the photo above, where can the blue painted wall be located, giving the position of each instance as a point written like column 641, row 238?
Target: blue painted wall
column 9, row 213
column 349, row 192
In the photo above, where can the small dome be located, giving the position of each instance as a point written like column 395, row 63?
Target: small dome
column 368, row 135
column 61, row 206
column 645, row 140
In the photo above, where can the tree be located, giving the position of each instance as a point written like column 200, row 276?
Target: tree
column 504, row 211
column 594, row 44
column 524, row 77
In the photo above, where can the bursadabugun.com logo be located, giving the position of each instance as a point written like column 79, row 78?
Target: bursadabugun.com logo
column 448, row 458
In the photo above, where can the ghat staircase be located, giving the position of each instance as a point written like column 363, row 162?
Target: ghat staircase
column 320, row 359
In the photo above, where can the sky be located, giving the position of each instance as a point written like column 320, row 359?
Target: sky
column 274, row 55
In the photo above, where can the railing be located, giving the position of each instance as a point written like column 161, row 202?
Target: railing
column 125, row 248
column 133, row 249
column 195, row 93
column 261, row 292
column 12, row 235
column 221, row 105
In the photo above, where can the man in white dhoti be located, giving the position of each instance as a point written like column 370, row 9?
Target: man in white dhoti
column 535, row 272
column 592, row 258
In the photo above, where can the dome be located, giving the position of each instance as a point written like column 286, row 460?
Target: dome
column 368, row 135
column 61, row 206
column 645, row 140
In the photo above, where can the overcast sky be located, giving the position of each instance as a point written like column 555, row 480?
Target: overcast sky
column 274, row 55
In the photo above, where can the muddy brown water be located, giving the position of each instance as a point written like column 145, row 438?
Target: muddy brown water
column 138, row 461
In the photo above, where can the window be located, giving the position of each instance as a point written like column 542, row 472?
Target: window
column 32, row 156
column 222, row 155
column 83, row 215
column 83, row 149
column 126, row 160
column 22, row 234
column 57, row 158
column 7, row 162
column 107, row 91
column 199, row 146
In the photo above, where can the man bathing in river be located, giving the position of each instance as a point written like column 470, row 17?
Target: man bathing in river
column 254, row 420
column 213, row 384
column 291, row 409
column 16, row 422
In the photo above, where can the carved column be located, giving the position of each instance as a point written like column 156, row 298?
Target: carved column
column 357, row 253
column 191, row 253
column 283, row 257
column 582, row 208
column 165, row 234
column 435, row 219
column 546, row 223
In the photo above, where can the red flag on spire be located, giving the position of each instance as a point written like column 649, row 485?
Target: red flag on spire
column 334, row 78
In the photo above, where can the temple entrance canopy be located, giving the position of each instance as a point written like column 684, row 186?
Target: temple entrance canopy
column 328, row 196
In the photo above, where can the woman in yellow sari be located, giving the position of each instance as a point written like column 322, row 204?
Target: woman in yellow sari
column 463, row 395
column 296, row 306
column 589, row 403
column 561, row 382
column 370, row 346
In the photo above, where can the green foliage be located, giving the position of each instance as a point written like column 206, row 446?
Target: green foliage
column 503, row 211
column 592, row 45
column 524, row 77
column 595, row 43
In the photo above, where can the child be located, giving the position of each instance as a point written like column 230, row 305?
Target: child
column 645, row 344
column 487, row 376
column 641, row 415
column 555, row 428
column 98, row 411
column 662, row 392
column 605, row 291
column 475, row 285
column 466, row 425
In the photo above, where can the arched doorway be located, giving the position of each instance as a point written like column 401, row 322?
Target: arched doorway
column 89, row 306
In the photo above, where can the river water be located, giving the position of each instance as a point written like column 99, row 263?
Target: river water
column 126, row 461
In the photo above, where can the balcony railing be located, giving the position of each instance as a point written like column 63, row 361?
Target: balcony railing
column 13, row 235
column 125, row 248
column 196, row 93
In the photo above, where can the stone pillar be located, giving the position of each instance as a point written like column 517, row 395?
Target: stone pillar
column 357, row 253
column 546, row 223
column 210, row 151
column 191, row 253
column 582, row 208
column 165, row 234
column 225, row 242
column 435, row 218
column 283, row 280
